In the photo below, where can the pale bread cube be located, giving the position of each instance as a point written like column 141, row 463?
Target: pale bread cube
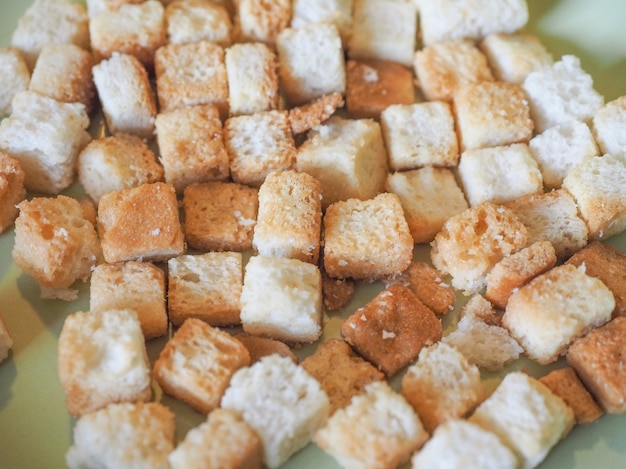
column 281, row 402
column 261, row 21
column 479, row 309
column 608, row 128
column 337, row 12
column 16, row 77
column 12, row 190
column 197, row 20
column 95, row 7
column 6, row 342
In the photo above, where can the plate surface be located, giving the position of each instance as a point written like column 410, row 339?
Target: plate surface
column 35, row 429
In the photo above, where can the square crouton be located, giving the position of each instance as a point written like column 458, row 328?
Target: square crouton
column 367, row 239
column 429, row 197
column 197, row 20
column 197, row 363
column 443, row 68
column 6, row 342
column 391, row 329
column 112, row 163
column 499, row 174
column 281, row 402
column 102, row 360
column 261, row 21
column 260, row 347
column 347, row 156
column 608, row 128
column 282, row 299
column 16, row 77
column 126, row 95
column 252, row 72
column 289, row 223
column 259, row 144
column 45, row 136
column 301, row 53
column 205, row 286
column 598, row 359
column 547, row 314
column 96, row 7
column 140, row 223
column 337, row 12
column 383, row 30
column 420, row 134
column 308, row 116
column 12, row 190
column 374, row 85
column 377, row 429
column 55, row 244
column 337, row 292
column 220, row 216
column 478, row 308
column 139, row 286
column 191, row 145
column 124, row 436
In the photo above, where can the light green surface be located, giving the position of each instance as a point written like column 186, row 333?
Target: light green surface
column 35, row 429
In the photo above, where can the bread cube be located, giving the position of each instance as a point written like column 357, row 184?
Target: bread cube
column 252, row 73
column 123, row 436
column 6, row 342
column 336, row 292
column 16, row 77
column 55, row 244
column 197, row 363
column 391, row 329
column 45, row 136
column 219, row 216
column 281, row 402
column 608, row 127
column 189, row 74
column 259, row 144
column 260, row 347
column 547, row 314
column 347, row 157
column 197, row 20
column 499, row 174
column 310, row 62
column 337, row 12
column 443, row 68
column 479, row 309
column 95, row 7
column 282, row 299
column 134, row 29
column 561, row 93
column 128, row 102
column 367, row 239
column 260, row 21
column 140, row 223
column 12, row 190
column 139, row 286
column 377, row 429
column 50, row 22
column 429, row 197
column 308, row 116
column 102, row 360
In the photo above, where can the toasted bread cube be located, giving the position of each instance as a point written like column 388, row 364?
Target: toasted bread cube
column 112, row 163
column 261, row 21
column 55, row 244
column 337, row 292
column 197, row 363
column 16, row 77
column 12, row 190
column 383, row 30
column 191, row 145
column 561, row 93
column 429, row 197
column 133, row 29
column 223, row 440
column 220, row 216
column 597, row 187
column 281, row 402
column 6, row 342
column 308, row 116
column 259, row 144
column 140, row 223
column 374, row 85
column 347, row 157
column 289, row 222
column 377, row 429
column 197, row 20
column 547, row 314
column 598, row 359
column 391, row 329
column 512, row 57
column 338, row 12
column 479, row 309
column 442, row 69
column 310, row 62
column 102, row 360
column 126, row 96
column 608, row 127
column 499, row 174
column 124, row 436
column 260, row 347
column 252, row 72
column 95, row 7
column 139, row 286
column 367, row 239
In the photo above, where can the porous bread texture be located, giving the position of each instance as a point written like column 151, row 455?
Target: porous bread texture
column 16, row 77
column 260, row 21
column 95, row 7
column 308, row 116
column 281, row 402
column 526, row 416
column 547, row 314
column 336, row 292
column 123, row 436
column 378, row 429
column 45, row 136
column 197, row 20
column 12, row 190
column 102, row 360
column 338, row 12
column 478, row 308
column 608, row 123
column 259, row 347
column 6, row 342
column 55, row 244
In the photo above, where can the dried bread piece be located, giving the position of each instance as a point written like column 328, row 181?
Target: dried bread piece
column 16, row 77
column 260, row 21
column 337, row 12
column 608, row 123
column 96, row 7
column 259, row 347
column 197, row 20
column 308, row 116
column 478, row 308
column 336, row 292
column 12, row 190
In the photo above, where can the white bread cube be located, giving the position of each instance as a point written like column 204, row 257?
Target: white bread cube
column 261, row 21
column 6, row 342
column 608, row 128
column 12, row 190
column 281, row 402
column 197, row 20
column 16, row 77
column 337, row 12
column 282, row 299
